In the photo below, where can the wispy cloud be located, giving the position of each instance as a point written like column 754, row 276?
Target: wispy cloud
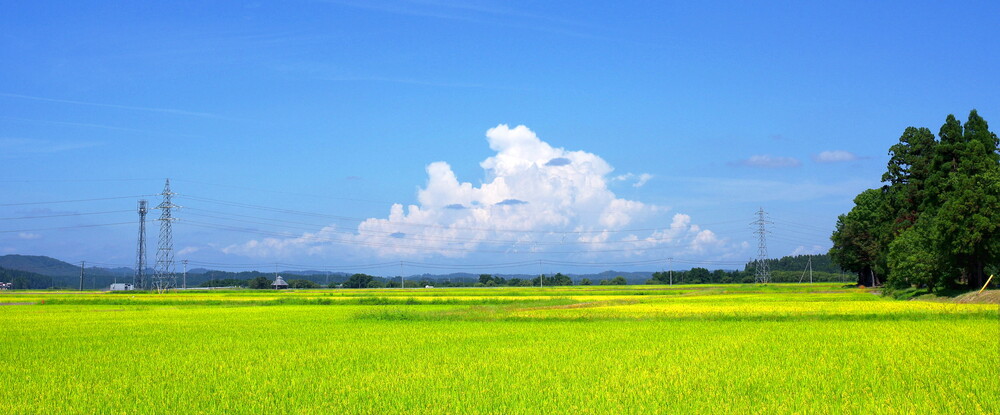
column 473, row 12
column 337, row 73
column 809, row 250
column 409, row 8
column 12, row 146
column 97, row 126
column 835, row 156
column 408, row 81
column 116, row 106
column 640, row 179
column 768, row 161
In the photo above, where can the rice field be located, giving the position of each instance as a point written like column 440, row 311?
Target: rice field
column 797, row 348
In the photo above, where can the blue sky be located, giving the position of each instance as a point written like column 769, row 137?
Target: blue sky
column 651, row 129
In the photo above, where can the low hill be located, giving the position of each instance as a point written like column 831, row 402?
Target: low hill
column 39, row 264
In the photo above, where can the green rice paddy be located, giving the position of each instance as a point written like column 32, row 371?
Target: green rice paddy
column 797, row 348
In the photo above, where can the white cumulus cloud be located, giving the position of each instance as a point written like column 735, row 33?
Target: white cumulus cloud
column 533, row 198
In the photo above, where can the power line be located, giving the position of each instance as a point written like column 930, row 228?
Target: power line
column 803, row 225
column 283, row 192
column 65, row 215
column 799, row 232
column 72, row 180
column 72, row 201
column 68, row 227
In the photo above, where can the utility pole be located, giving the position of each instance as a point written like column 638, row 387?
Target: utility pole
column 185, row 281
column 763, row 273
column 809, row 266
column 401, row 282
column 810, row 270
column 275, row 272
column 670, row 267
column 541, row 277
column 82, row 264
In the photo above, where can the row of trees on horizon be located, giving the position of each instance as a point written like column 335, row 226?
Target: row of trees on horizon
column 786, row 269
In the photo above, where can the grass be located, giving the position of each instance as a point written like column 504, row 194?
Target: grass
column 635, row 349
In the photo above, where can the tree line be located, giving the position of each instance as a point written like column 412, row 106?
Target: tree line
column 700, row 275
column 257, row 283
column 785, row 269
column 935, row 222
column 24, row 280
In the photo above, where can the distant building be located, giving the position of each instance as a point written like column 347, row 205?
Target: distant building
column 121, row 286
column 279, row 283
column 6, row 286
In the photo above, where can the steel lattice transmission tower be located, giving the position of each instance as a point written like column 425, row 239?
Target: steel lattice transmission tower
column 762, row 274
column 139, row 280
column 165, row 277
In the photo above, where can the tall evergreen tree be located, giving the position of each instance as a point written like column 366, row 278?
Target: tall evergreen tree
column 944, row 163
column 968, row 218
column 935, row 222
column 861, row 238
column 910, row 166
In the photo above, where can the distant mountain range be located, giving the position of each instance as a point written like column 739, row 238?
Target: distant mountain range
column 55, row 268
column 39, row 264
column 52, row 267
column 63, row 274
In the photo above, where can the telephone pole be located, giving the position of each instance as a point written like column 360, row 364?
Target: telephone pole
column 809, row 267
column 541, row 277
column 185, row 281
column 670, row 267
column 82, row 266
column 762, row 274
